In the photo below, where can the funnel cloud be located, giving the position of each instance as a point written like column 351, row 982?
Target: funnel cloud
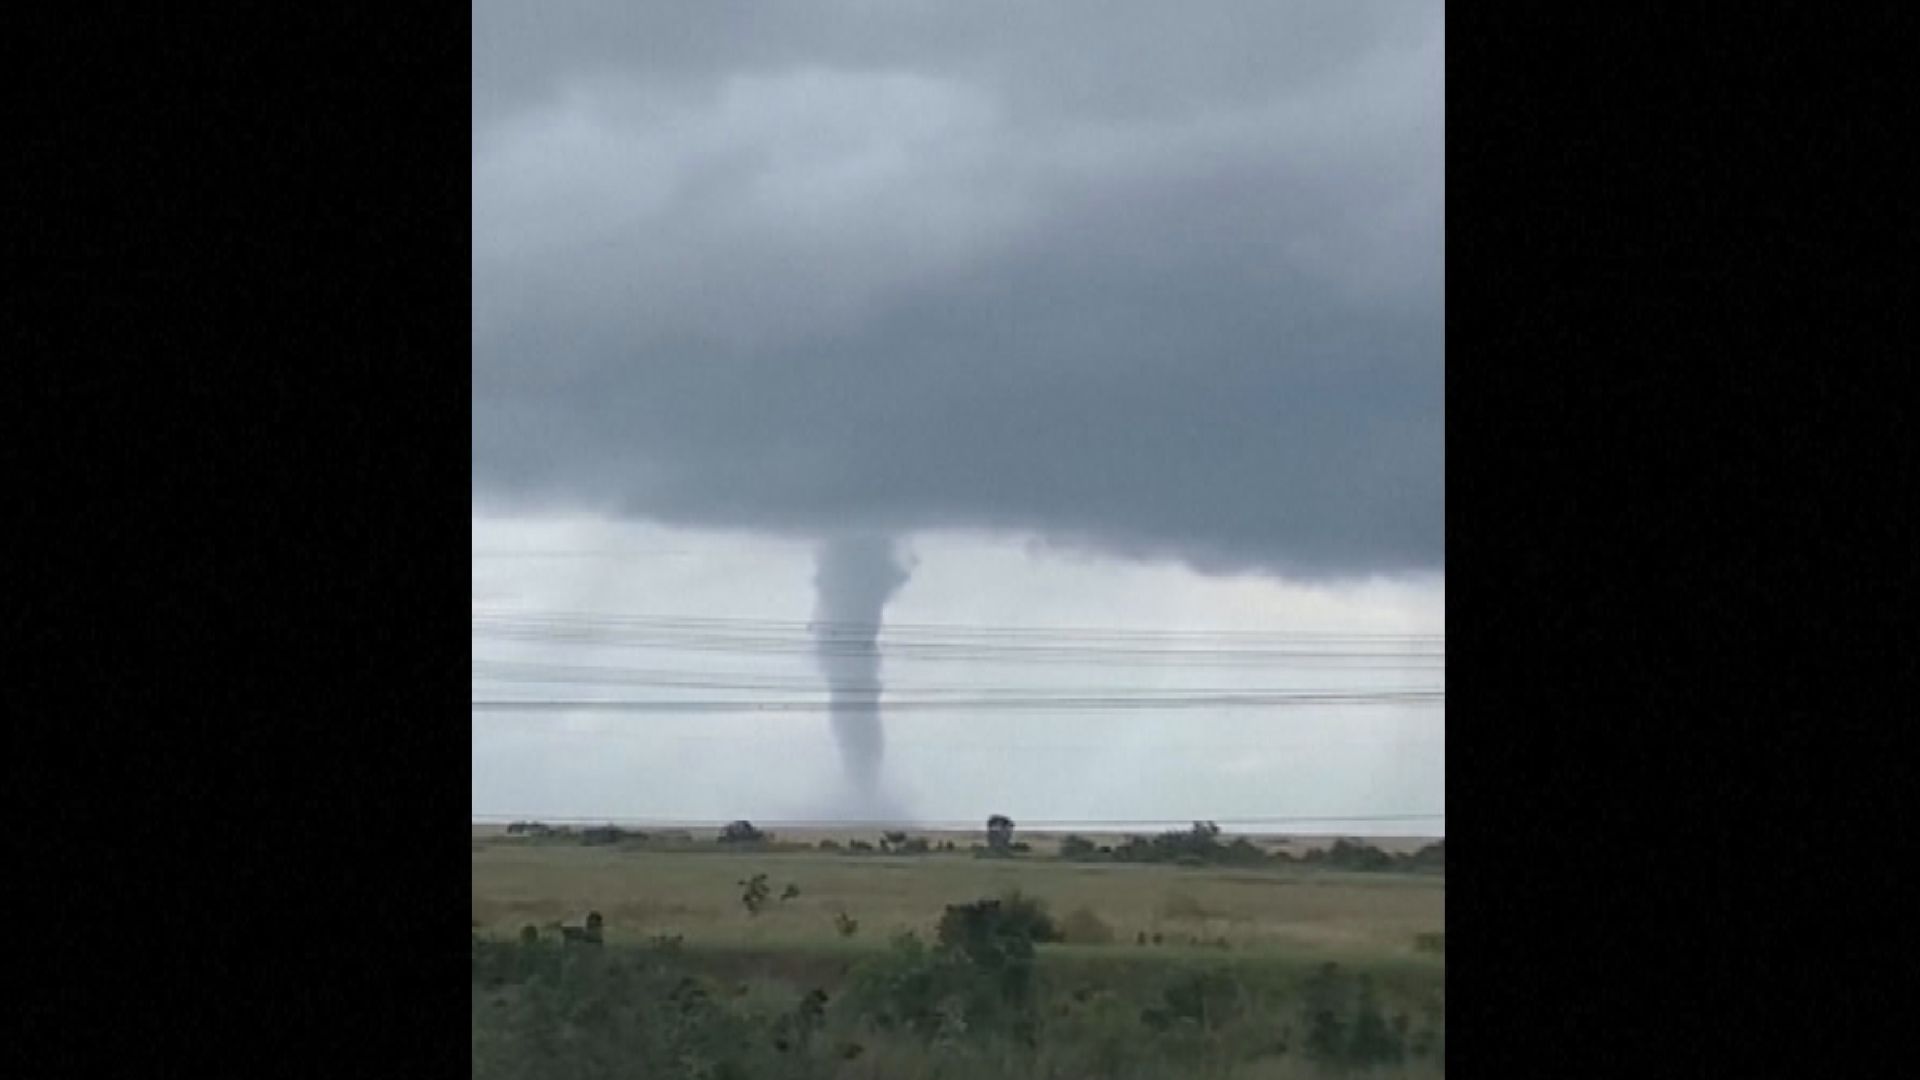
column 854, row 577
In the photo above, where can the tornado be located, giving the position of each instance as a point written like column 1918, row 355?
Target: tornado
column 854, row 577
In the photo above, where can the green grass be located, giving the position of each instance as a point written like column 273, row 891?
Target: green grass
column 599, row 1013
column 1298, row 913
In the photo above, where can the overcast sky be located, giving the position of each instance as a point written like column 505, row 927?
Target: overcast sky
column 1118, row 314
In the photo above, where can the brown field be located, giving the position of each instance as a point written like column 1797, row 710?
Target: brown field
column 1265, row 911
column 1043, row 841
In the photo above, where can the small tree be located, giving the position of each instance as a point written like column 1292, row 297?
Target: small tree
column 741, row 832
column 754, row 893
column 789, row 892
column 1000, row 833
column 845, row 924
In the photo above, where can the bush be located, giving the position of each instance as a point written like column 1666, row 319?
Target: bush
column 588, row 1013
column 992, row 931
column 1431, row 857
column 754, row 893
column 610, row 834
column 1076, row 847
column 742, row 832
column 978, row 980
column 904, row 989
column 1344, row 1023
column 1351, row 855
column 1205, row 999
column 1242, row 852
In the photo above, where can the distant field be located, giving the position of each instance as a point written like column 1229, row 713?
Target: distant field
column 1043, row 841
column 1304, row 912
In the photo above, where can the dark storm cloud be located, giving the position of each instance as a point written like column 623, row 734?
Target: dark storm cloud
column 1162, row 279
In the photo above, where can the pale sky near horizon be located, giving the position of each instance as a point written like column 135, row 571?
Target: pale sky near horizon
column 1116, row 316
column 1294, row 761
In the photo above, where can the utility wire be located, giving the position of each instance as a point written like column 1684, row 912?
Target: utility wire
column 1037, row 704
column 856, row 628
column 963, row 825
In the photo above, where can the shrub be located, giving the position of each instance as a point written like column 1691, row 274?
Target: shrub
column 1076, row 847
column 607, row 834
column 1242, row 852
column 978, row 980
column 754, row 893
column 1350, row 855
column 846, row 925
column 1205, row 999
column 991, row 931
column 742, row 832
column 1374, row 1041
column 1344, row 1023
column 1431, row 857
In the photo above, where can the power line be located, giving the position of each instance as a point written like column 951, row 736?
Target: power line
column 1164, row 749
column 970, row 824
column 859, row 628
column 1420, row 696
column 608, row 553
column 532, row 675
column 937, row 651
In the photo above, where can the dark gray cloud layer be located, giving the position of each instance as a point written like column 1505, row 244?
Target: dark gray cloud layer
column 1159, row 278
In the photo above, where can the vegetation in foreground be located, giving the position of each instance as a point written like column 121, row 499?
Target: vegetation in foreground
column 981, row 998
column 742, row 956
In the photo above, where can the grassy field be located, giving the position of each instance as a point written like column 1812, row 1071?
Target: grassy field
column 1253, row 942
column 1044, row 841
column 1303, row 912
